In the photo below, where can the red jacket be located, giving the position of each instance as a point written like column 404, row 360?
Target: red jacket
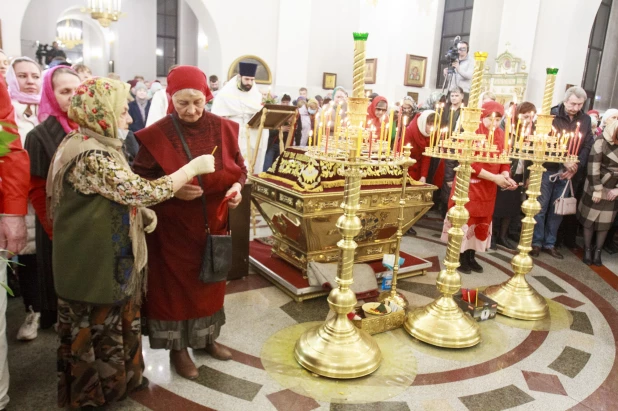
column 15, row 166
column 418, row 141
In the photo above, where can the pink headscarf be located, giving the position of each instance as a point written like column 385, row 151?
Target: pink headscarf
column 14, row 91
column 49, row 105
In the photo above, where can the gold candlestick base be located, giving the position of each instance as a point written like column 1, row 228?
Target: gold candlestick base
column 337, row 349
column 444, row 324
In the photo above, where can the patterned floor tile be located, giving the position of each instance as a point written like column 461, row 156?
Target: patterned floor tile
column 426, row 290
column 500, row 256
column 544, row 382
column 581, row 322
column 227, row 384
column 549, row 284
column 568, row 301
column 288, row 400
column 496, row 400
column 311, row 310
column 372, row 406
column 570, row 362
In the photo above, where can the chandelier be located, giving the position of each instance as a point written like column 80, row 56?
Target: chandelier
column 104, row 11
column 68, row 35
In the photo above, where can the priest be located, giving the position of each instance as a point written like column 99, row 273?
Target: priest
column 238, row 101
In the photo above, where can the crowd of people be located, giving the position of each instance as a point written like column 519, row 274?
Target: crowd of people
column 97, row 155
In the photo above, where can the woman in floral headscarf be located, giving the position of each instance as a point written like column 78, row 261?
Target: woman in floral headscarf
column 99, row 256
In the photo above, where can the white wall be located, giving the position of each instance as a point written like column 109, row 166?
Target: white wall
column 188, row 29
column 561, row 40
column 512, row 31
column 486, row 23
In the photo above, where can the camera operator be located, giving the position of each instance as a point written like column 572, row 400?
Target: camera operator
column 462, row 68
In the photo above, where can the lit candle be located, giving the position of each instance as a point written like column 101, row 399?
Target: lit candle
column 577, row 129
column 431, row 136
column 493, row 127
column 370, row 142
column 390, row 128
column 310, row 138
column 315, row 126
column 320, row 137
column 521, row 136
column 403, row 134
column 337, row 120
column 382, row 128
column 359, row 140
column 435, row 117
column 441, row 111
column 517, row 127
column 388, row 140
column 450, row 122
column 579, row 142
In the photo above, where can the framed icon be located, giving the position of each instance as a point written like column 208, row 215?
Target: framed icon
column 371, row 68
column 329, row 81
column 416, row 70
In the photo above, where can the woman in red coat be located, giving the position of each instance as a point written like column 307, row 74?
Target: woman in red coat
column 182, row 311
column 484, row 181
column 417, row 135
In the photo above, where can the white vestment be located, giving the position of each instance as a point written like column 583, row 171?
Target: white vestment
column 240, row 106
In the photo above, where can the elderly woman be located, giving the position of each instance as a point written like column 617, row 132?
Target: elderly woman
column 182, row 311
column 139, row 108
column 410, row 107
column 59, row 85
column 598, row 206
column 483, row 188
column 99, row 277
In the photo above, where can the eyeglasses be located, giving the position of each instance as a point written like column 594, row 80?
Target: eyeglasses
column 380, row 109
column 462, row 49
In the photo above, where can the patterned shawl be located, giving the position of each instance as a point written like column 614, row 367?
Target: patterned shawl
column 96, row 107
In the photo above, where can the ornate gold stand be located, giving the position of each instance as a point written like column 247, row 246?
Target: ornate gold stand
column 338, row 349
column 392, row 295
column 515, row 297
column 442, row 322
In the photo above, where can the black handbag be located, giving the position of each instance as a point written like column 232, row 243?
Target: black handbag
column 217, row 256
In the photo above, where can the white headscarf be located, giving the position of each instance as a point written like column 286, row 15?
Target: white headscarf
column 610, row 112
column 422, row 121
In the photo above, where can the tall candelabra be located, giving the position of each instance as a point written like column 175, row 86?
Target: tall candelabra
column 516, row 298
column 442, row 322
column 337, row 348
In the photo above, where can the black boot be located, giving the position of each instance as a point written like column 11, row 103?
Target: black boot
column 597, row 258
column 587, row 256
column 464, row 263
column 476, row 267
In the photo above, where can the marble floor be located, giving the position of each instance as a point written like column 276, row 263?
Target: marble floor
column 566, row 362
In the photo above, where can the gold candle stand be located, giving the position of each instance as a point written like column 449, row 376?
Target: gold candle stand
column 442, row 322
column 516, row 298
column 392, row 295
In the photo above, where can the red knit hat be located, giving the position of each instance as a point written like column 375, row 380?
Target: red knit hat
column 492, row 107
column 184, row 77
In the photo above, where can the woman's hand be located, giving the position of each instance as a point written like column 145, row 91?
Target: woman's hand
column 234, row 201
column 504, row 182
column 613, row 193
column 422, row 180
column 189, row 192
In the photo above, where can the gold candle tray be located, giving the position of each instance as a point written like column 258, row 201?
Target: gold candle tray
column 376, row 325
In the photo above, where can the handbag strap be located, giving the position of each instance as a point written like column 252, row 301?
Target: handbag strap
column 569, row 184
column 199, row 178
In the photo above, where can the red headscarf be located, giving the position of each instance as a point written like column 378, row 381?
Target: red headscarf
column 371, row 113
column 184, row 77
column 492, row 107
column 49, row 105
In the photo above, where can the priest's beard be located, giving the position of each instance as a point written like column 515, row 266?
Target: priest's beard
column 243, row 87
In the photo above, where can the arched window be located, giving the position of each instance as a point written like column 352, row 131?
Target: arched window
column 263, row 74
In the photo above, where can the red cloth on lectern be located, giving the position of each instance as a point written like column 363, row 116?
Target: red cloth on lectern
column 176, row 247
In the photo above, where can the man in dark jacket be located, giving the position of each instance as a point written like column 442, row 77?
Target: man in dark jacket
column 569, row 115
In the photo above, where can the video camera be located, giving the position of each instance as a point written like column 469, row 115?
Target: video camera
column 452, row 54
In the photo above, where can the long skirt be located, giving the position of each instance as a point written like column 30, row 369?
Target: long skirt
column 100, row 356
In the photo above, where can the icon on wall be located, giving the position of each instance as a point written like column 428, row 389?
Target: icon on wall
column 371, row 68
column 329, row 81
column 416, row 69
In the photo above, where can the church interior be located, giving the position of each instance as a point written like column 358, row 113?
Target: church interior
column 348, row 289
